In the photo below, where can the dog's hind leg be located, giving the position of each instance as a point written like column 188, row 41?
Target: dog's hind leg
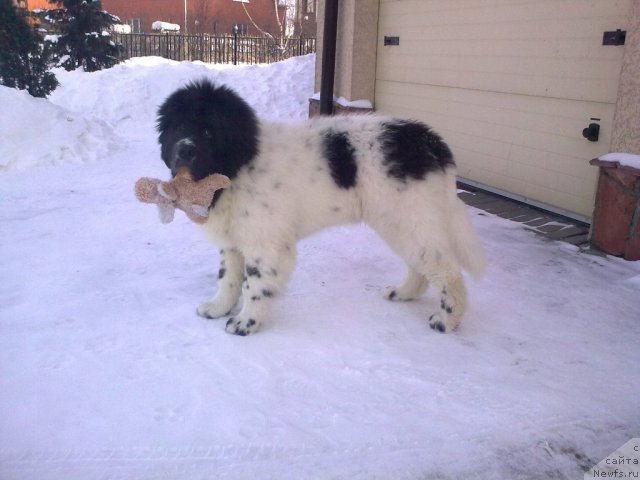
column 444, row 274
column 229, row 285
column 413, row 286
column 266, row 273
column 430, row 261
column 453, row 301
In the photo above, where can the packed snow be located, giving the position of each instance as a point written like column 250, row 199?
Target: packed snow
column 106, row 371
column 68, row 137
column 343, row 102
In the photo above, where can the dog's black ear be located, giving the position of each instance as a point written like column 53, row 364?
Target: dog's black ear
column 168, row 123
column 167, row 138
column 231, row 132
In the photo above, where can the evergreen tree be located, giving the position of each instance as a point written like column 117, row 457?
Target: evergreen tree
column 24, row 58
column 84, row 40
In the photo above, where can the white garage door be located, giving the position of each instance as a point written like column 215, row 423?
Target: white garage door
column 510, row 84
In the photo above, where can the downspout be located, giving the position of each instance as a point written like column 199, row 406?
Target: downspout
column 328, row 56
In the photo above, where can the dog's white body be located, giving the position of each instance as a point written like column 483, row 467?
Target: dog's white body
column 287, row 193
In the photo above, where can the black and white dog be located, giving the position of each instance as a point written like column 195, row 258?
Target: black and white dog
column 289, row 180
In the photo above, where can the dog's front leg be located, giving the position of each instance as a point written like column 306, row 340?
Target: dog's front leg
column 229, row 285
column 266, row 275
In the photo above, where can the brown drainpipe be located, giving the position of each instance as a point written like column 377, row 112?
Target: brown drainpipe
column 328, row 56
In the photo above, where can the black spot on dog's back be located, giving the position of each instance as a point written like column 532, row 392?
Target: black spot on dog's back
column 412, row 150
column 340, row 155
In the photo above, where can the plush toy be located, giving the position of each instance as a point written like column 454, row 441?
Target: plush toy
column 181, row 192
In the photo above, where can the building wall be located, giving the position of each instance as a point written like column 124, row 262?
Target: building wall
column 510, row 85
column 212, row 16
column 626, row 125
column 305, row 22
column 38, row 4
column 356, row 49
column 203, row 16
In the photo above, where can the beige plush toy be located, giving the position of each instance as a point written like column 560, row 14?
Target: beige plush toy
column 181, row 192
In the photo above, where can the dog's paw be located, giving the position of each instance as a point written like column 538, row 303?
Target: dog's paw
column 213, row 310
column 440, row 323
column 397, row 294
column 391, row 293
column 241, row 326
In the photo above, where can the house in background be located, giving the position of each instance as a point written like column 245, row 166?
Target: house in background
column 510, row 85
column 215, row 16
column 36, row 4
column 202, row 16
column 209, row 16
column 305, row 18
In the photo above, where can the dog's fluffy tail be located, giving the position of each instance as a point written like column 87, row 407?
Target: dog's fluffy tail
column 466, row 243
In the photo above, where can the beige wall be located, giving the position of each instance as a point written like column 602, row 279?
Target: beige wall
column 355, row 49
column 626, row 125
column 510, row 85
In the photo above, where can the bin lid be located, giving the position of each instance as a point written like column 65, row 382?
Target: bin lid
column 627, row 162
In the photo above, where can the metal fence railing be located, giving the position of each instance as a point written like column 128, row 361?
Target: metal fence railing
column 212, row 48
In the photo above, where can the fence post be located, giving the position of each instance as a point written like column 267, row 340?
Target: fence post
column 235, row 44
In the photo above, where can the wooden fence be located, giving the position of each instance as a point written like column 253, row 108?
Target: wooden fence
column 211, row 48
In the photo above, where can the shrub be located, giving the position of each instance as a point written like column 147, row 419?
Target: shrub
column 84, row 41
column 24, row 56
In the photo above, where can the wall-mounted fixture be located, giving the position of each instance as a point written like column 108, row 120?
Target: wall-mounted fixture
column 393, row 41
column 592, row 132
column 614, row 38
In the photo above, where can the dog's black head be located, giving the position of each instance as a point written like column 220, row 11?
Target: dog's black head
column 208, row 129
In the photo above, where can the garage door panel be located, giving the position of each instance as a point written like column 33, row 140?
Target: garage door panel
column 594, row 90
column 521, row 166
column 562, row 48
column 580, row 79
column 485, row 104
column 478, row 161
column 535, row 192
column 428, row 13
column 415, row 28
column 555, row 126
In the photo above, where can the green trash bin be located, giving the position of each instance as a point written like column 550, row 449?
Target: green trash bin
column 615, row 227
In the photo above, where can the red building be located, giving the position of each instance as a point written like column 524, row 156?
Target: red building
column 202, row 16
column 37, row 4
column 210, row 16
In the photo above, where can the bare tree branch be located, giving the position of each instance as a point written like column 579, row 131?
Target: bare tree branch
column 283, row 39
column 266, row 34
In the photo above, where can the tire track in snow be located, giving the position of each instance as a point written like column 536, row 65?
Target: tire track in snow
column 198, row 462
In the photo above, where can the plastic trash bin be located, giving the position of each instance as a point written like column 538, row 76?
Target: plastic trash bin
column 615, row 227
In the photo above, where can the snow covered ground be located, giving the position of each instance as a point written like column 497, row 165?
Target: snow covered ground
column 106, row 372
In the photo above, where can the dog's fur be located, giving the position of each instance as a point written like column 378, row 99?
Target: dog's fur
column 289, row 180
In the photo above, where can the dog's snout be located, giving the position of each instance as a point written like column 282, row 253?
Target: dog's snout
column 186, row 151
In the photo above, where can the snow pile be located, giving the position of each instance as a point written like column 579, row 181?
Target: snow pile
column 107, row 372
column 343, row 102
column 122, row 104
column 623, row 159
column 121, row 28
column 165, row 26
column 127, row 96
column 36, row 132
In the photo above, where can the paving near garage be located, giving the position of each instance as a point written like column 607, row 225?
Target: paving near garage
column 547, row 224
